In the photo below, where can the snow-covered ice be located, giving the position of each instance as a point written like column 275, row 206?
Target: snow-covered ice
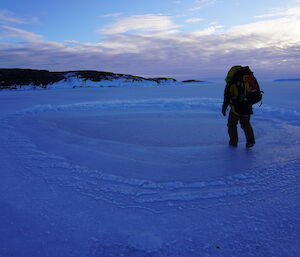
column 146, row 171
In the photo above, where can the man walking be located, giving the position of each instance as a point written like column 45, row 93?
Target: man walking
column 241, row 92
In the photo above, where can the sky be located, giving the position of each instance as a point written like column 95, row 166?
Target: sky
column 182, row 39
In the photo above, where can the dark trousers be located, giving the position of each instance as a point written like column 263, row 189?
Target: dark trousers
column 233, row 120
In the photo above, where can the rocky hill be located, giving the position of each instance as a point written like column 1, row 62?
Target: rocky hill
column 28, row 78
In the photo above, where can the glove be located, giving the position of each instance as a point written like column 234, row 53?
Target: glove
column 224, row 108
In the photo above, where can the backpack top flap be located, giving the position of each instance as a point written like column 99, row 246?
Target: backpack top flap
column 242, row 75
column 232, row 72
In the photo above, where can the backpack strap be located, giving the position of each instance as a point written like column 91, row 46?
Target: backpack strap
column 261, row 102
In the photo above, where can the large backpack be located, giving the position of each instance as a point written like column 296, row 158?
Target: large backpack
column 240, row 75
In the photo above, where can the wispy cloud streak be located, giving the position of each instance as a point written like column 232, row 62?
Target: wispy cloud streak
column 141, row 23
column 200, row 4
column 7, row 17
column 12, row 32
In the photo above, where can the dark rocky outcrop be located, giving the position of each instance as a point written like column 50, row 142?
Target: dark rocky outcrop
column 286, row 80
column 192, row 80
column 9, row 78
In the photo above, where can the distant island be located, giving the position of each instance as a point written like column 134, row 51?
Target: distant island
column 192, row 81
column 31, row 79
column 286, row 80
column 27, row 79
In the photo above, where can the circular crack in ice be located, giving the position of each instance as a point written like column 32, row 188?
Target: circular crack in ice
column 196, row 181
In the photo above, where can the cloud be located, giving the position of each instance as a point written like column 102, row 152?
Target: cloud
column 193, row 20
column 7, row 17
column 279, row 13
column 200, row 4
column 12, row 32
column 196, row 57
column 180, row 56
column 282, row 30
column 208, row 31
column 140, row 23
column 111, row 15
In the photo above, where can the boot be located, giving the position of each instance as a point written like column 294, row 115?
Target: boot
column 250, row 143
column 233, row 144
